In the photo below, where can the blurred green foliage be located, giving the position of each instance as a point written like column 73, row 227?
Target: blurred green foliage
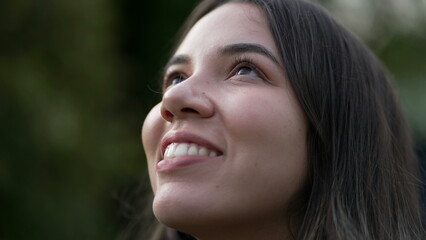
column 76, row 81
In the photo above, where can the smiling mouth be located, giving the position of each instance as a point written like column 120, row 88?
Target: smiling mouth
column 188, row 149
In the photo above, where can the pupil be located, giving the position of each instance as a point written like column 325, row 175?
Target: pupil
column 244, row 70
column 178, row 80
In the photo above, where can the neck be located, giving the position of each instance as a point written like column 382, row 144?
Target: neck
column 272, row 231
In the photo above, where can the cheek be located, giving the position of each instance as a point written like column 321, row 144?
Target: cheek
column 273, row 118
column 268, row 134
column 152, row 132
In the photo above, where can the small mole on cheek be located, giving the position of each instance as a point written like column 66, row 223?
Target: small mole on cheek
column 217, row 186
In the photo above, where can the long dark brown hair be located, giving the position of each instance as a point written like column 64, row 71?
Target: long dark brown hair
column 362, row 168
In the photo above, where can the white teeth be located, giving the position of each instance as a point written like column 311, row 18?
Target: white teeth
column 187, row 149
column 181, row 150
column 170, row 151
column 203, row 151
column 193, row 150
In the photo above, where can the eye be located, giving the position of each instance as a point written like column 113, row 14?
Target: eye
column 173, row 79
column 177, row 79
column 244, row 67
column 246, row 70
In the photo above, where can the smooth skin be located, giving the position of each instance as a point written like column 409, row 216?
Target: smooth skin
column 226, row 85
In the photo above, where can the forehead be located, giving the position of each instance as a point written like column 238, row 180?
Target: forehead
column 228, row 24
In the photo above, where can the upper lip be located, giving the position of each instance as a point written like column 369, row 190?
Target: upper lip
column 186, row 137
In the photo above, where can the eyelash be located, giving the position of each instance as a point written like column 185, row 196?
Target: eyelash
column 168, row 79
column 238, row 63
column 244, row 61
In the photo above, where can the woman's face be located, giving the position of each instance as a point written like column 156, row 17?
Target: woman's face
column 226, row 146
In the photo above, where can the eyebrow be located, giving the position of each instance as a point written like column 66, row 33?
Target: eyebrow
column 248, row 47
column 227, row 50
column 178, row 59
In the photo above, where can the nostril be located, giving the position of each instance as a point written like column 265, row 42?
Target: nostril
column 168, row 114
column 189, row 110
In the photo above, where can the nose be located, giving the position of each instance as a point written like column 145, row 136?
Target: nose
column 186, row 99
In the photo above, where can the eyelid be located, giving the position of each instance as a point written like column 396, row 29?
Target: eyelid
column 241, row 61
column 170, row 75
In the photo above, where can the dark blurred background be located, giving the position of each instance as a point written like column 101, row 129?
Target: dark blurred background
column 78, row 77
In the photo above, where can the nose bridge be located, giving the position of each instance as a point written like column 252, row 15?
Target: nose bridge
column 190, row 98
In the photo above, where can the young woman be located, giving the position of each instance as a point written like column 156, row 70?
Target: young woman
column 277, row 123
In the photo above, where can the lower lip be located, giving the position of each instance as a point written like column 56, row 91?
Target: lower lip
column 172, row 164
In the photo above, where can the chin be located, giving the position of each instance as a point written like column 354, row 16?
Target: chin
column 187, row 212
column 177, row 208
